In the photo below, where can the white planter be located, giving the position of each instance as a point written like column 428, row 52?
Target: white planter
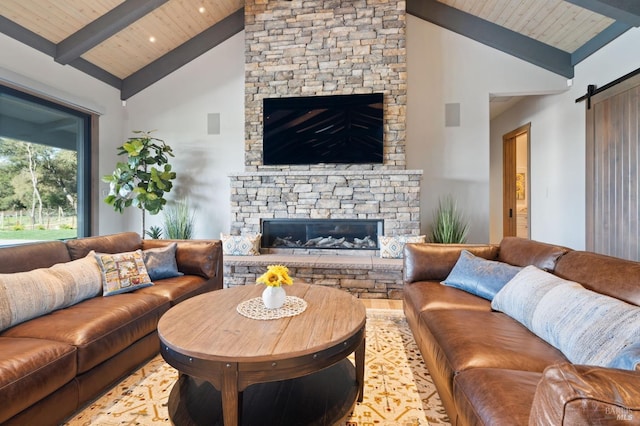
column 273, row 297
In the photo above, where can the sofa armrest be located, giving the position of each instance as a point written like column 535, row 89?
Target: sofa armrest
column 571, row 394
column 195, row 257
column 433, row 262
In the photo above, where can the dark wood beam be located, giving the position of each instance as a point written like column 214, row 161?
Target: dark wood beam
column 503, row 39
column 25, row 36
column 183, row 54
column 624, row 11
column 43, row 45
column 102, row 28
column 603, row 38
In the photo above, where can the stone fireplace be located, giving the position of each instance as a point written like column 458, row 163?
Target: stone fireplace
column 326, row 47
column 318, row 48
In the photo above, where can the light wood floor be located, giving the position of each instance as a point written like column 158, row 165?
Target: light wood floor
column 382, row 303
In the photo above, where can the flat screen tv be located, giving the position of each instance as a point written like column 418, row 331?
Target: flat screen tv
column 337, row 129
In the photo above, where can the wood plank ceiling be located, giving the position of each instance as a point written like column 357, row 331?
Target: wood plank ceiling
column 130, row 44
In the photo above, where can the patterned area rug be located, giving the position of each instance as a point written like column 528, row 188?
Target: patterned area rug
column 398, row 389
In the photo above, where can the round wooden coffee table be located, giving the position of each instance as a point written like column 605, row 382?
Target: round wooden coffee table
column 237, row 370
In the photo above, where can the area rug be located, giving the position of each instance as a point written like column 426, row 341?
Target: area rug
column 398, row 389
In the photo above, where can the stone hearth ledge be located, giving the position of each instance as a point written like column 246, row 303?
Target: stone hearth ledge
column 363, row 276
column 316, row 261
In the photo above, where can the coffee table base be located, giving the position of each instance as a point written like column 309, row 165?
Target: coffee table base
column 321, row 398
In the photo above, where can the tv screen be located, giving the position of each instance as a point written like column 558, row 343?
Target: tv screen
column 337, row 129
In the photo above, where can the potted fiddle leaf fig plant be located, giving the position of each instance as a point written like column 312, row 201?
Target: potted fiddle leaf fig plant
column 144, row 179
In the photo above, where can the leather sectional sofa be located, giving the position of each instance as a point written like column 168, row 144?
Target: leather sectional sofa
column 52, row 365
column 490, row 369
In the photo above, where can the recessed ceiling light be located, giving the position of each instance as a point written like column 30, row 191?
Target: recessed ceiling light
column 201, row 9
column 152, row 39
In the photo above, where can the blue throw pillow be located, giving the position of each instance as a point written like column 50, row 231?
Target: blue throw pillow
column 480, row 276
column 161, row 262
column 627, row 359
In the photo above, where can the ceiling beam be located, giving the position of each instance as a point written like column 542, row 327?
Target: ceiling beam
column 43, row 45
column 102, row 28
column 503, row 39
column 625, row 11
column 25, row 36
column 603, row 38
column 183, row 54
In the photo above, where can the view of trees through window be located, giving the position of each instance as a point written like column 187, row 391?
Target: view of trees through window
column 44, row 169
column 38, row 190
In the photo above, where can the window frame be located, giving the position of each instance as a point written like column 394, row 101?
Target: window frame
column 87, row 162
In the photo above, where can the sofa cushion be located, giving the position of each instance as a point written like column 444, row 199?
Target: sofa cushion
column 584, row 395
column 122, row 272
column 241, row 245
column 524, row 252
column 195, row 257
column 99, row 327
column 31, row 369
column 392, row 247
column 480, row 276
column 588, row 327
column 608, row 275
column 161, row 262
column 494, row 396
column 177, row 289
column 115, row 243
column 474, row 339
column 433, row 262
column 59, row 286
column 26, row 257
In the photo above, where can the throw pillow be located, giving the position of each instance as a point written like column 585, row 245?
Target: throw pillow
column 392, row 247
column 161, row 262
column 480, row 276
column 628, row 358
column 57, row 287
column 240, row 245
column 122, row 272
column 587, row 327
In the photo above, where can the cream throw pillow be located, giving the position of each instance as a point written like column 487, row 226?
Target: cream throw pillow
column 27, row 295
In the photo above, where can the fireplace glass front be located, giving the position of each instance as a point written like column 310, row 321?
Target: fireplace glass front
column 354, row 234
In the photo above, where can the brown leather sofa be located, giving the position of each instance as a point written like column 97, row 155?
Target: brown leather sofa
column 52, row 365
column 491, row 370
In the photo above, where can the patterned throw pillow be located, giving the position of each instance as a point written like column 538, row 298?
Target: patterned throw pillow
column 392, row 247
column 122, row 272
column 587, row 327
column 480, row 276
column 241, row 245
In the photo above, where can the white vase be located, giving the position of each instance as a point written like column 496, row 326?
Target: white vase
column 273, row 297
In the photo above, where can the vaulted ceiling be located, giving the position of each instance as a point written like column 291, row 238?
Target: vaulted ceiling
column 130, row 44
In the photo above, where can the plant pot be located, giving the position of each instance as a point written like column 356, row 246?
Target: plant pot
column 273, row 297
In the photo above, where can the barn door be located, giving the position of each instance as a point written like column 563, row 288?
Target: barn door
column 613, row 157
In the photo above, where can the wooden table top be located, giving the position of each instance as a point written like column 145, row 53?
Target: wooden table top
column 208, row 326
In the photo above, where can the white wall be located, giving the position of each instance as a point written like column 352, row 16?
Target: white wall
column 26, row 67
column 558, row 147
column 444, row 67
column 177, row 107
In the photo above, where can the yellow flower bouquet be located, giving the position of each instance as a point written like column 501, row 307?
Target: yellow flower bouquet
column 275, row 276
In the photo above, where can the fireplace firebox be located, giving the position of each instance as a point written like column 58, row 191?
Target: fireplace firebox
column 352, row 234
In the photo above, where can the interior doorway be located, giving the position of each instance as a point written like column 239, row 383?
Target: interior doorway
column 515, row 183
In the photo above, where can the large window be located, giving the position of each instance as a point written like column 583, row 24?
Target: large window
column 44, row 169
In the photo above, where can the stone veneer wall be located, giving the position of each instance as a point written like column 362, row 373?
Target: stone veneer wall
column 392, row 195
column 326, row 47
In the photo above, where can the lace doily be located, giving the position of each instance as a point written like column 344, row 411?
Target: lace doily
column 255, row 309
